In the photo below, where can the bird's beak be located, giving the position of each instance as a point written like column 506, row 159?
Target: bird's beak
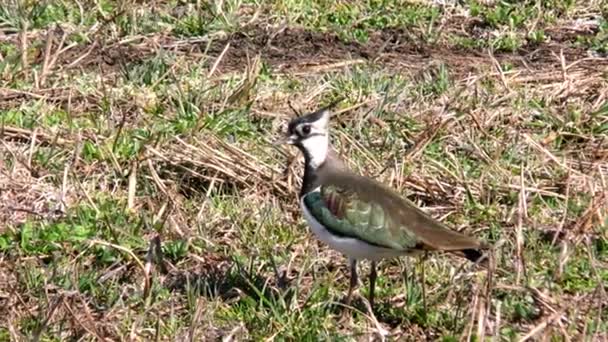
column 285, row 140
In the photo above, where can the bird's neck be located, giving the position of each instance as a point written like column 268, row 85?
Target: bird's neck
column 313, row 170
column 309, row 181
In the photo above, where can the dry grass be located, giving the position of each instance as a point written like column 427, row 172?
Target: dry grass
column 140, row 197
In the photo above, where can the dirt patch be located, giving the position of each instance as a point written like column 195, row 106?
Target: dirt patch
column 299, row 51
column 292, row 49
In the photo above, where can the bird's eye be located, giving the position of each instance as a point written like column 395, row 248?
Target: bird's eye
column 306, row 130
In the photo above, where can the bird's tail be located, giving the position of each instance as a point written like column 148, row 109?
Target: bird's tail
column 477, row 256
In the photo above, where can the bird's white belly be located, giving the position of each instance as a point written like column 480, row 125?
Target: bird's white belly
column 351, row 247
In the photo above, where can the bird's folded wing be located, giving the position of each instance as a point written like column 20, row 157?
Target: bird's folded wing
column 359, row 207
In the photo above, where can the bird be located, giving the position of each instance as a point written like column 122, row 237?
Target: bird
column 359, row 216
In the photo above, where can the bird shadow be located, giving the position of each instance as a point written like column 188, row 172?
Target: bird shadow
column 230, row 281
column 383, row 311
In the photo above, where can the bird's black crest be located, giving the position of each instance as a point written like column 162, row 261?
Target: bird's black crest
column 311, row 117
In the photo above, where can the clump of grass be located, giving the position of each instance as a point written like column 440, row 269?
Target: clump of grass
column 355, row 21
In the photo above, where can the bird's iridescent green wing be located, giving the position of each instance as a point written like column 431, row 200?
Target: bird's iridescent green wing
column 360, row 207
column 344, row 212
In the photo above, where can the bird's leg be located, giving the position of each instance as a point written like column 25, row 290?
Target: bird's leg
column 372, row 284
column 353, row 279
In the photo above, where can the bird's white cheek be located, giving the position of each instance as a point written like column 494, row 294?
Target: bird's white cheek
column 317, row 149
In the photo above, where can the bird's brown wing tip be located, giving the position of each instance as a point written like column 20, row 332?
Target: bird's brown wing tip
column 474, row 255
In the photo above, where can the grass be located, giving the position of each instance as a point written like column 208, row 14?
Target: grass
column 140, row 197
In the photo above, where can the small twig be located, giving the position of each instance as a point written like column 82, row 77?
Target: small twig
column 281, row 27
column 497, row 322
column 566, row 204
column 218, row 60
column 481, row 319
column 51, row 59
column 522, row 214
column 122, row 249
column 25, row 210
column 233, row 332
column 17, row 157
column 148, row 270
column 82, row 57
column 86, row 195
column 32, row 148
column 78, row 320
column 473, row 313
column 317, row 69
column 199, row 215
column 490, row 255
column 10, row 132
column 296, row 112
column 562, row 62
column 72, row 163
column 353, row 107
column 563, row 259
column 47, row 57
column 195, row 319
column 23, row 44
column 132, row 187
column 159, row 183
column 501, row 73
column 121, row 125
column 382, row 333
column 541, row 326
column 11, row 328
column 87, row 311
column 540, row 148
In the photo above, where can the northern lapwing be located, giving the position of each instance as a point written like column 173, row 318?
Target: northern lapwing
column 358, row 216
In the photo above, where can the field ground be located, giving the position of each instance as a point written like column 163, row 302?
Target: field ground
column 141, row 198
